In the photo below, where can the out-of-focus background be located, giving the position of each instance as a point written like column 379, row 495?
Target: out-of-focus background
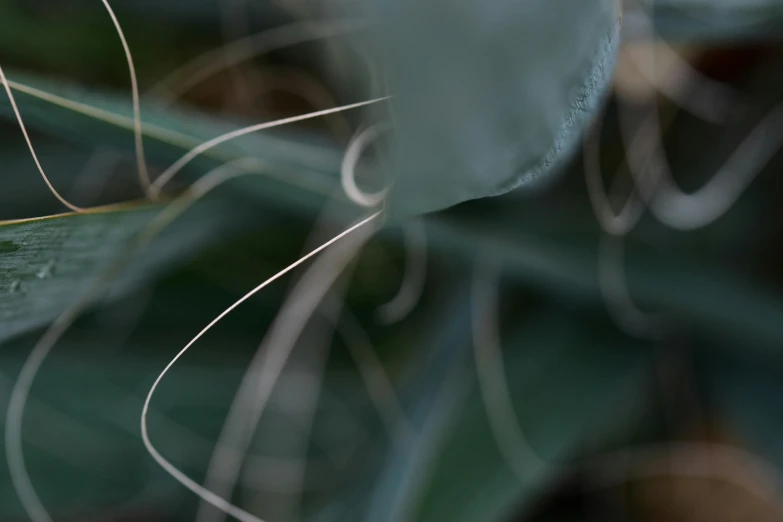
column 606, row 345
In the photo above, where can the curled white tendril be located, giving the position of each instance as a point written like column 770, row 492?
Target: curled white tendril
column 205, row 494
column 348, row 169
column 517, row 452
column 265, row 368
column 414, row 276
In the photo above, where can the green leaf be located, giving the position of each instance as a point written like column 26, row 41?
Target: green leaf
column 299, row 167
column 488, row 95
column 47, row 263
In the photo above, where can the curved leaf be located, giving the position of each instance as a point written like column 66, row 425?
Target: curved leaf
column 488, row 95
column 47, row 263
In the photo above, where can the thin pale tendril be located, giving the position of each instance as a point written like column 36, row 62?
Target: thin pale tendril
column 30, row 146
column 173, row 137
column 397, row 424
column 61, row 428
column 314, row 184
column 307, row 394
column 140, row 159
column 646, row 190
column 20, row 477
column 731, row 464
column 652, row 184
column 232, row 22
column 617, row 224
column 414, row 277
column 95, row 174
column 678, row 210
column 169, row 173
column 233, row 53
column 519, row 455
column 315, row 94
column 21, row 391
column 252, row 46
column 199, row 69
column 162, row 180
column 186, row 481
column 112, row 118
column 348, row 168
column 611, row 272
column 687, row 87
column 266, row 367
column 613, row 285
column 652, row 173
column 141, row 162
column 268, row 473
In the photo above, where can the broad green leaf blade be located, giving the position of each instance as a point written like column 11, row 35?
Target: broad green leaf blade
column 47, row 263
column 488, row 95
